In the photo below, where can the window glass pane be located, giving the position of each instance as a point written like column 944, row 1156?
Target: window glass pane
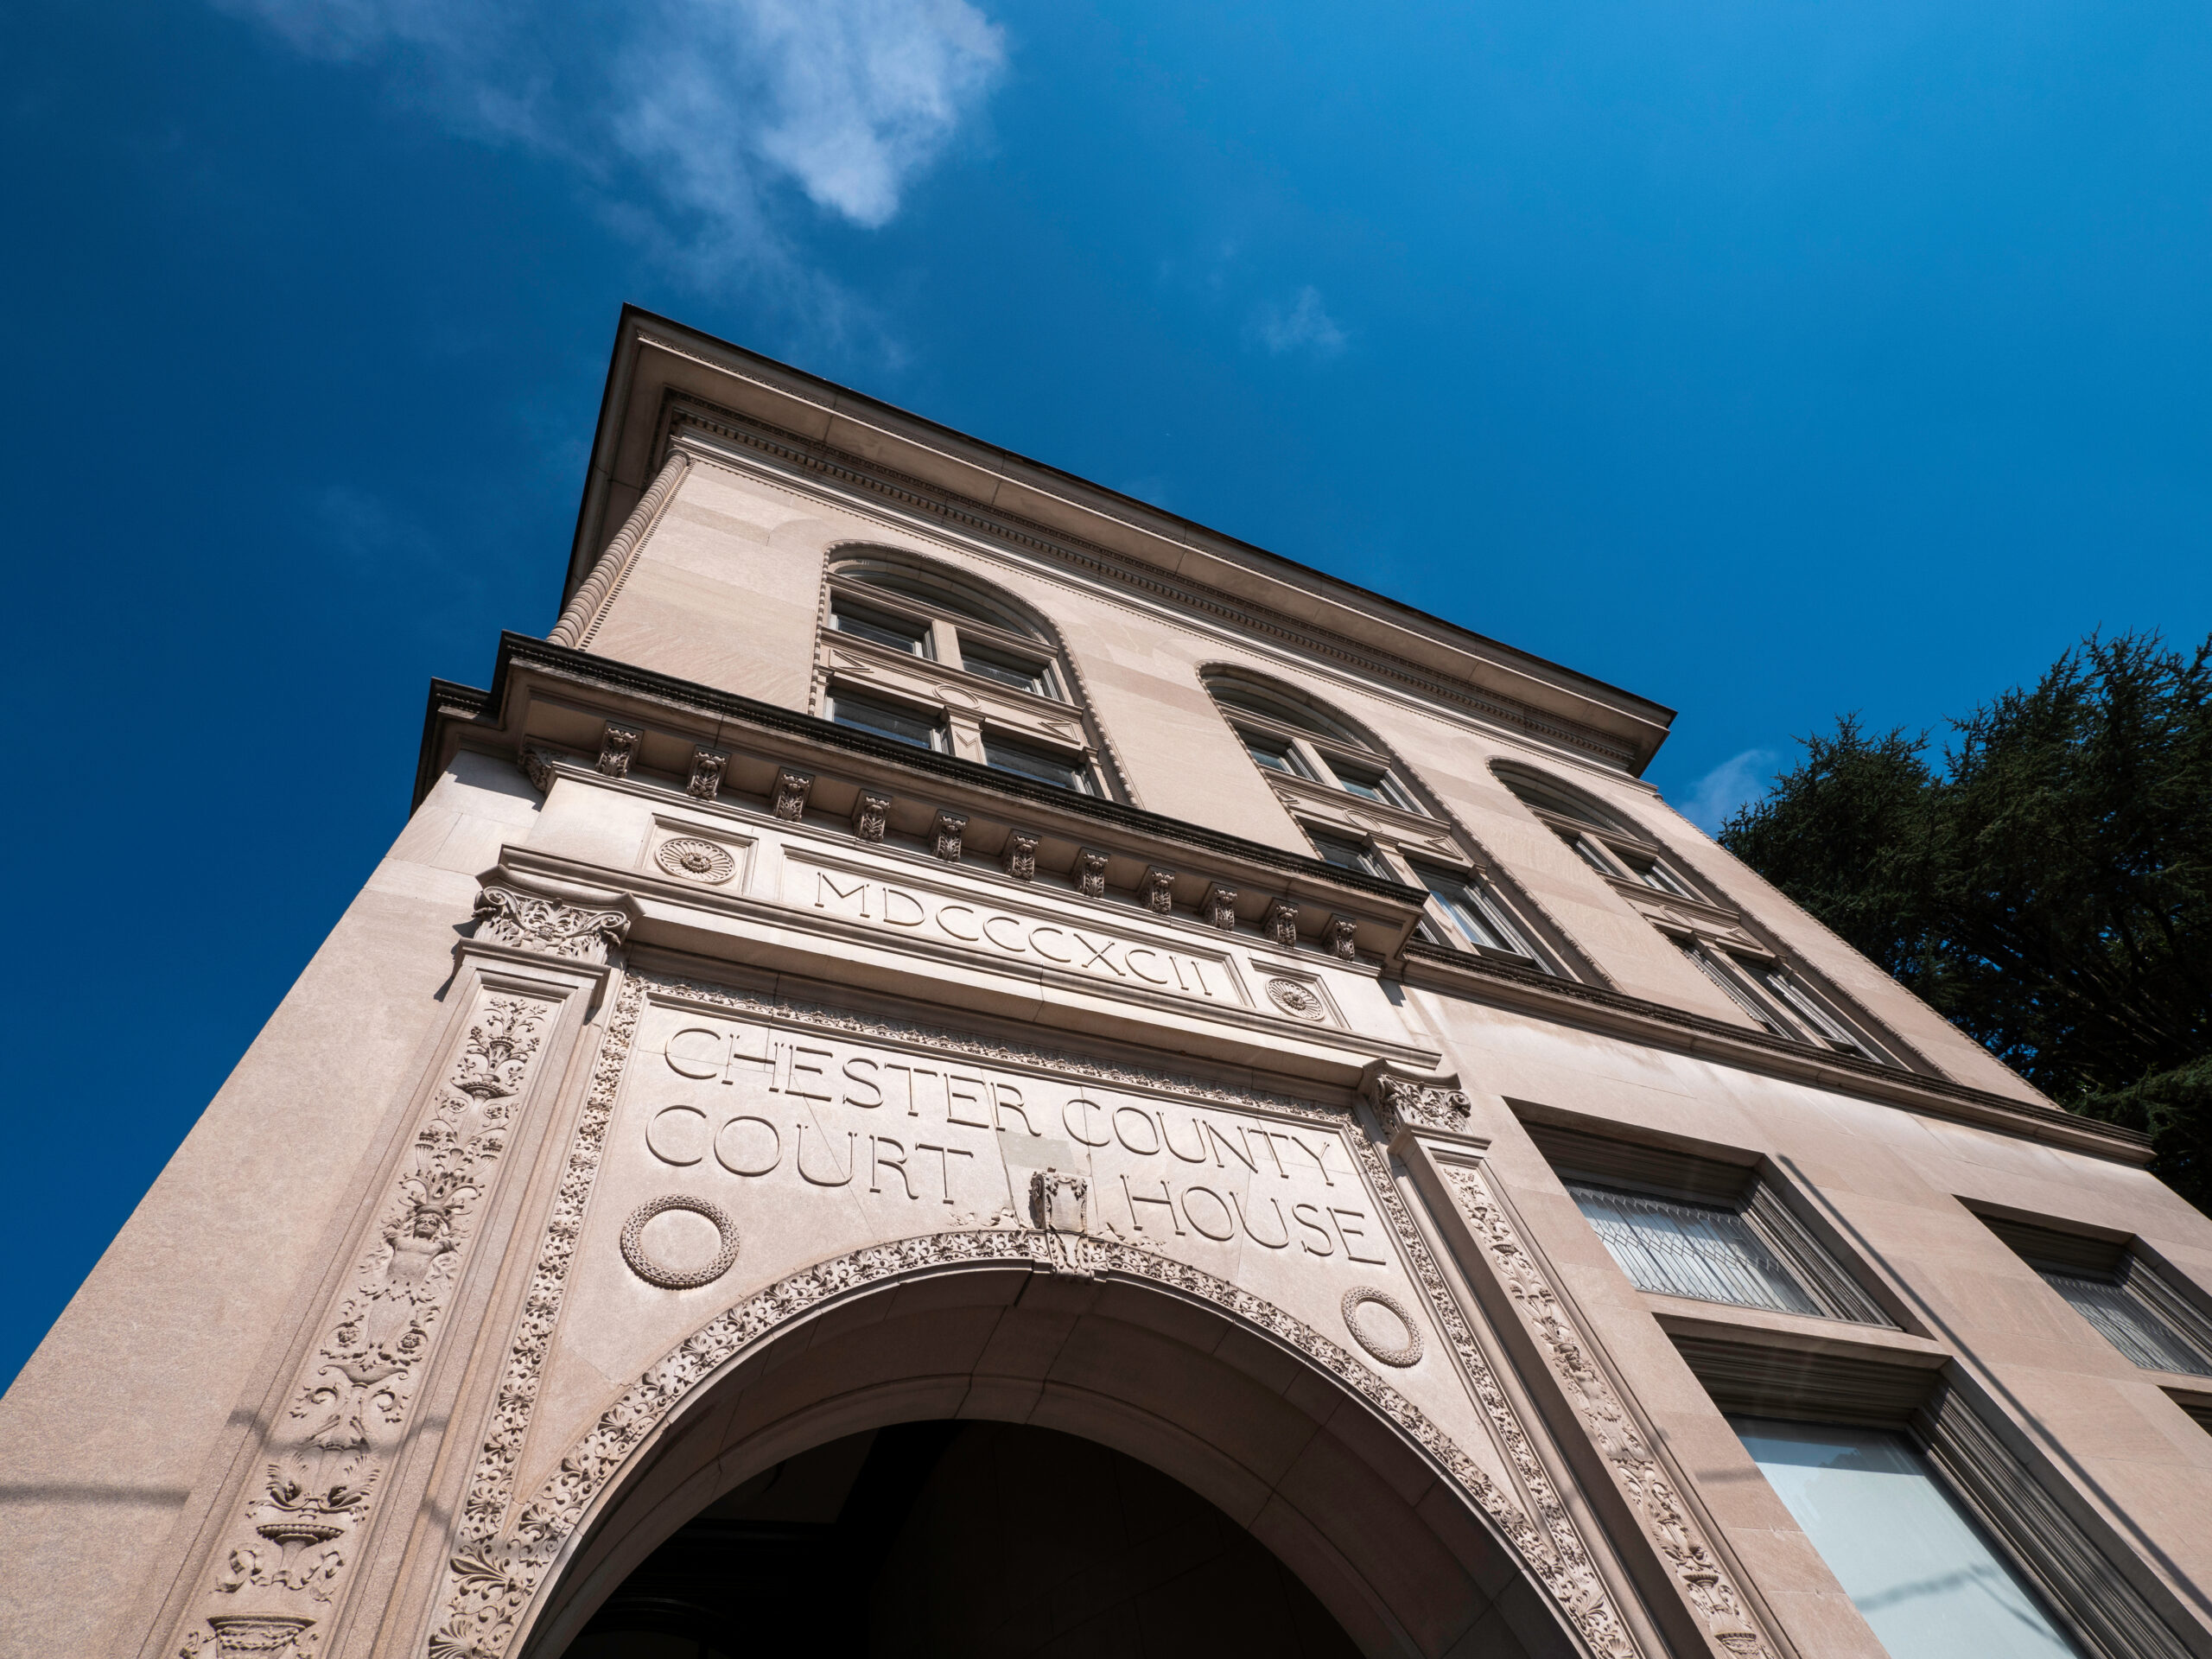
column 1690, row 1249
column 1800, row 1001
column 1007, row 670
column 1275, row 754
column 1658, row 875
column 1036, row 763
column 1282, row 710
column 899, row 632
column 1918, row 1570
column 1735, row 992
column 1345, row 854
column 1589, row 855
column 1471, row 911
column 2127, row 1324
column 884, row 720
column 1552, row 800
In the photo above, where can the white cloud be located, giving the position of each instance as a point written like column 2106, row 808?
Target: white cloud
column 700, row 108
column 1301, row 326
column 1734, row 783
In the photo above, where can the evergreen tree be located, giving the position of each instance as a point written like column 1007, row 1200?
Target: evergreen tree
column 2047, row 887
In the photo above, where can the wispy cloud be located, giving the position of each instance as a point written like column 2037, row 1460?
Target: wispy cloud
column 1736, row 782
column 1301, row 326
column 690, row 117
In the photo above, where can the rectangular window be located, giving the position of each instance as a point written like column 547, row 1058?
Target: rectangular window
column 1039, row 764
column 1736, row 993
column 1657, row 875
column 1275, row 754
column 1479, row 921
column 1006, row 668
column 883, row 627
column 1369, row 783
column 2123, row 1296
column 1697, row 1250
column 885, row 719
column 1912, row 1561
column 1346, row 855
column 1800, row 1002
column 1587, row 850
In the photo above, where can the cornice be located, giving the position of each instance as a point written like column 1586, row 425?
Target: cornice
column 719, row 717
column 870, row 449
column 1616, row 1014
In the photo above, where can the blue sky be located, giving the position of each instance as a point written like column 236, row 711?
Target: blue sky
column 1769, row 359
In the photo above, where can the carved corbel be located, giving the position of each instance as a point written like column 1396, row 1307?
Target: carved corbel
column 1019, row 859
column 789, row 801
column 529, row 922
column 1281, row 923
column 871, row 814
column 1340, row 932
column 1220, row 906
column 538, row 766
column 1401, row 1101
column 1157, row 890
column 618, row 748
column 707, row 768
column 945, row 831
column 1091, row 873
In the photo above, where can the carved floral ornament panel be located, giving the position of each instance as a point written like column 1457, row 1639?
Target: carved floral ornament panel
column 723, row 1112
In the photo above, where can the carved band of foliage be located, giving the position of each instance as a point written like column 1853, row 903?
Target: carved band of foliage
column 528, row 922
column 1622, row 1444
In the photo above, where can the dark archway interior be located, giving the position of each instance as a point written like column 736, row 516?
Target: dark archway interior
column 961, row 1539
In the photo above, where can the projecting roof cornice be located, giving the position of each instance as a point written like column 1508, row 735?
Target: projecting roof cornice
column 663, row 373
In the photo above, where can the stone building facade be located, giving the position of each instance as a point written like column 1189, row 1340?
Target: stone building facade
column 957, row 1063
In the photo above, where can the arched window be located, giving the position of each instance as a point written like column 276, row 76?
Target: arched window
column 1362, row 811
column 921, row 654
column 1712, row 936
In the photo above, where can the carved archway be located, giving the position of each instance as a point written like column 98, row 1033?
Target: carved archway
column 1297, row 1440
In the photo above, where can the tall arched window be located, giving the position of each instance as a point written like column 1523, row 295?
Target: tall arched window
column 1713, row 937
column 1361, row 811
column 921, row 654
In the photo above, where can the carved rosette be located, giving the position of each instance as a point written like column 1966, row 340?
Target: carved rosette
column 707, row 768
column 1091, row 873
column 1408, row 1103
column 528, row 922
column 1281, row 923
column 618, row 748
column 1340, row 933
column 350, row 1405
column 695, row 858
column 1220, row 906
column 871, row 815
column 945, row 831
column 1618, row 1439
column 788, row 802
column 1019, row 858
column 1157, row 890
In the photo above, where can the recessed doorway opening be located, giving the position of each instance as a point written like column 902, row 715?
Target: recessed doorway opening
column 967, row 1539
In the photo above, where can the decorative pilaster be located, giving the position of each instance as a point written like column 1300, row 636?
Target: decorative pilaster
column 528, row 922
column 580, row 619
column 1019, row 860
column 1340, row 933
column 1281, row 923
column 1411, row 1103
column 1091, row 874
column 945, row 832
column 1220, row 906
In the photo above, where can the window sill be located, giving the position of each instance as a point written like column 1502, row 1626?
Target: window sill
column 1806, row 1333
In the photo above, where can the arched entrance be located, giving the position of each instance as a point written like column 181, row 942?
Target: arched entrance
column 925, row 1539
column 1334, row 1492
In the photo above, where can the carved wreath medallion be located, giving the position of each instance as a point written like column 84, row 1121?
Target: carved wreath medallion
column 696, row 860
column 633, row 1243
column 1407, row 1352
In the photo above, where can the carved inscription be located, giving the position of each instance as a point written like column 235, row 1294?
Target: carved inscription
column 738, row 1102
column 1090, row 950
